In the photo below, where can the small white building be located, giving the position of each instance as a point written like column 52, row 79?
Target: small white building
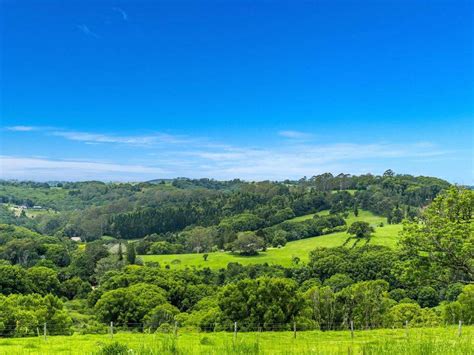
column 76, row 239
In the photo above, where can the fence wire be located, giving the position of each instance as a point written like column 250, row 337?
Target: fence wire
column 25, row 329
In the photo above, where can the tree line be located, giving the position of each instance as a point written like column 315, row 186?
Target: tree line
column 128, row 211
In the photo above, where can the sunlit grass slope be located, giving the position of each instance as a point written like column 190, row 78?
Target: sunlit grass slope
column 386, row 235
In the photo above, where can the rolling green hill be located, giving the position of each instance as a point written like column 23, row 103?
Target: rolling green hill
column 386, row 235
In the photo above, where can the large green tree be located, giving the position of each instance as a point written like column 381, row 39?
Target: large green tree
column 248, row 243
column 440, row 246
column 129, row 305
column 265, row 302
column 360, row 229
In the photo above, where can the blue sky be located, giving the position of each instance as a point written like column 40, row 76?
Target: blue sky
column 135, row 90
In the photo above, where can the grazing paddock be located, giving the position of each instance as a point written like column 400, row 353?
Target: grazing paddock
column 378, row 342
column 386, row 235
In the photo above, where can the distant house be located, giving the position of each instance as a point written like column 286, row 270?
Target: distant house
column 37, row 207
column 76, row 239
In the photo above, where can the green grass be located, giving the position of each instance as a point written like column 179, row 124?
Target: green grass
column 381, row 341
column 30, row 213
column 308, row 216
column 386, row 235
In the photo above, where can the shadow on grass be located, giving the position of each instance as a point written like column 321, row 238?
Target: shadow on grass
column 244, row 256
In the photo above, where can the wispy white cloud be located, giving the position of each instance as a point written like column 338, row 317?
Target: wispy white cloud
column 293, row 161
column 121, row 12
column 295, row 134
column 87, row 31
column 143, row 140
column 201, row 157
column 49, row 169
column 21, row 128
column 156, row 138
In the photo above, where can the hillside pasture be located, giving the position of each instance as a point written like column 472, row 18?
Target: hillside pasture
column 386, row 235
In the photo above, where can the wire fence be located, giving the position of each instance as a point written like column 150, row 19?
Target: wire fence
column 25, row 329
column 231, row 338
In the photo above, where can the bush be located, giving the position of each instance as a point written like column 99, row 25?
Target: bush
column 115, row 348
column 206, row 341
column 160, row 315
column 427, row 297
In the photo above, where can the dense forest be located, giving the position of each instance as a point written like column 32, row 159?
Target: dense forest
column 47, row 277
column 164, row 209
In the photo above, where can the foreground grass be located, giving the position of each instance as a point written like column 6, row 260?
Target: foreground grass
column 386, row 235
column 382, row 341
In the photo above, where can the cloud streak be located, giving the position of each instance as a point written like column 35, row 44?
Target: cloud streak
column 87, row 31
column 107, row 138
column 143, row 140
column 21, row 128
column 294, row 134
column 164, row 155
column 49, row 169
column 121, row 12
column 292, row 161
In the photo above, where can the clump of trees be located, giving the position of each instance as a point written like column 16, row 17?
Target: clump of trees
column 248, row 243
column 360, row 229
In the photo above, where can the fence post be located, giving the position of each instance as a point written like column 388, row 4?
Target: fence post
column 235, row 330
column 111, row 329
column 352, row 329
column 460, row 328
column 294, row 329
column 406, row 328
column 44, row 330
column 175, row 328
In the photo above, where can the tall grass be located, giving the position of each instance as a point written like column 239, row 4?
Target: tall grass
column 370, row 342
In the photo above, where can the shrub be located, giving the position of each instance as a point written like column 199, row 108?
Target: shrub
column 115, row 348
column 206, row 341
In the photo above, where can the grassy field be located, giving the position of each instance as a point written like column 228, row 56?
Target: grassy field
column 30, row 213
column 308, row 216
column 383, row 341
column 386, row 235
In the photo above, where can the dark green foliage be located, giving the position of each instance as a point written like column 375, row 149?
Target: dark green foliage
column 366, row 263
column 43, row 280
column 14, row 279
column 22, row 314
column 441, row 248
column 427, row 297
column 91, row 209
column 248, row 243
column 131, row 253
column 129, row 304
column 265, row 302
column 75, row 287
column 360, row 229
column 373, row 286
column 120, row 252
column 338, row 281
column 160, row 315
column 318, row 225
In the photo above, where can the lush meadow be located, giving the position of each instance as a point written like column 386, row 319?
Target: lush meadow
column 445, row 340
column 386, row 235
